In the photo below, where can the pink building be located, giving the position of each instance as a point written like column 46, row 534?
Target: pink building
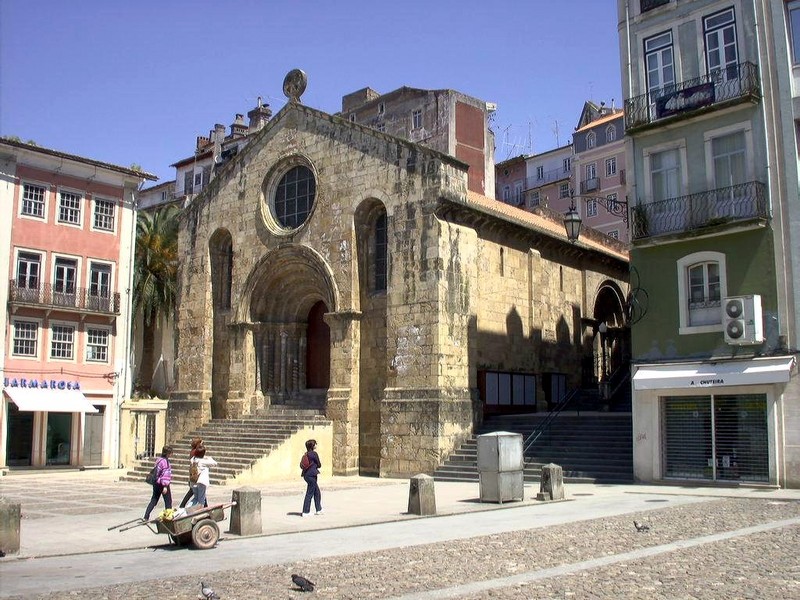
column 68, row 239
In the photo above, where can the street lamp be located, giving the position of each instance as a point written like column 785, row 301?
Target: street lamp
column 572, row 220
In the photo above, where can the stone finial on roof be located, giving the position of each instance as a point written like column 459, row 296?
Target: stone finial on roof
column 294, row 84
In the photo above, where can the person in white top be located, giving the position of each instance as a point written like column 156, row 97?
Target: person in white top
column 200, row 487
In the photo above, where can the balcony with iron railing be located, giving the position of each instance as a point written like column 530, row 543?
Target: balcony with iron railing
column 695, row 212
column 723, row 87
column 546, row 177
column 592, row 184
column 81, row 300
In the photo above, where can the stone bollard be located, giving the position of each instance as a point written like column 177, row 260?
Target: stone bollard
column 551, row 484
column 9, row 526
column 421, row 495
column 246, row 514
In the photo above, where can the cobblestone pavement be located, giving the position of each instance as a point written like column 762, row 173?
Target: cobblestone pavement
column 682, row 556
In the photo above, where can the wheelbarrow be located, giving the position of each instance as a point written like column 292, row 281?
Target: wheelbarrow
column 198, row 526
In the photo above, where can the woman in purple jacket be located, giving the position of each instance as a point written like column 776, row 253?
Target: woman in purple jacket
column 161, row 484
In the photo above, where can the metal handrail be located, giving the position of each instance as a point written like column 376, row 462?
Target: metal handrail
column 554, row 412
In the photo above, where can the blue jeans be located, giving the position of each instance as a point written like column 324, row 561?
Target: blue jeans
column 157, row 493
column 312, row 491
column 199, row 492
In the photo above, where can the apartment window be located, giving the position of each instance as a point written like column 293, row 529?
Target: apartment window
column 794, row 27
column 33, row 200
column 591, row 208
column 665, row 174
column 352, row 117
column 381, row 127
column 591, row 171
column 659, row 62
column 99, row 286
column 567, row 165
column 164, row 196
column 563, row 190
column 69, row 208
column 533, row 199
column 381, row 108
column 25, row 338
column 614, row 233
column 62, row 338
column 518, row 192
column 416, row 119
column 611, row 166
column 506, row 193
column 611, row 133
column 104, row 214
column 96, row 344
column 701, row 287
column 540, row 172
column 188, row 179
column 612, row 202
column 722, row 57
column 198, row 179
column 66, row 271
column 591, row 140
column 28, row 270
column 728, row 152
column 206, row 175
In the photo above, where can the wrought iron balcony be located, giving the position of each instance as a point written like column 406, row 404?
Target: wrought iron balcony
column 590, row 185
column 651, row 4
column 731, row 85
column 546, row 178
column 743, row 202
column 74, row 300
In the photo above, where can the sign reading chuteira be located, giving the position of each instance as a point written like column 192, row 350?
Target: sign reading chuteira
column 32, row 382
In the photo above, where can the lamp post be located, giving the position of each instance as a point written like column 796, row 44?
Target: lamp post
column 572, row 220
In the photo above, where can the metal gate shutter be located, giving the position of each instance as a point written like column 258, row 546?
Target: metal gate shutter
column 722, row 438
column 687, row 437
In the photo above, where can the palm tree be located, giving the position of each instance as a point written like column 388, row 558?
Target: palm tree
column 154, row 279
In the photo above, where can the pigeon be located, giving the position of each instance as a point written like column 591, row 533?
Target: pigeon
column 207, row 592
column 303, row 583
column 640, row 527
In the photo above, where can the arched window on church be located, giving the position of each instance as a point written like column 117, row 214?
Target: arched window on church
column 221, row 250
column 380, row 257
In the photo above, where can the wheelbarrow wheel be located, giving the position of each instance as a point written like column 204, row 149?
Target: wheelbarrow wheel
column 205, row 534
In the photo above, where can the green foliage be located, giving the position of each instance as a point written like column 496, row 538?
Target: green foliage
column 156, row 264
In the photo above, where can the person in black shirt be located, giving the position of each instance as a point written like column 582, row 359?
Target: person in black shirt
column 310, row 474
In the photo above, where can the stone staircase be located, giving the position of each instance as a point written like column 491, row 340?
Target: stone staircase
column 236, row 444
column 590, row 448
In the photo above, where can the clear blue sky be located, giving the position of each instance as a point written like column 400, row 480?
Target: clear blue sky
column 135, row 81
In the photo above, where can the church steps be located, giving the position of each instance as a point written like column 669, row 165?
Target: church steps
column 240, row 446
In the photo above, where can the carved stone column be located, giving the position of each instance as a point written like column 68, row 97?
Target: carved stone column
column 342, row 401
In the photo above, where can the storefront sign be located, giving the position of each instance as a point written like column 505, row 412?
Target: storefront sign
column 51, row 384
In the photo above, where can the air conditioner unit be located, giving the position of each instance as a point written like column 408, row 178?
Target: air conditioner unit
column 741, row 316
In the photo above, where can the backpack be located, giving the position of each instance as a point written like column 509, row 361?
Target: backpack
column 152, row 476
column 305, row 462
column 194, row 472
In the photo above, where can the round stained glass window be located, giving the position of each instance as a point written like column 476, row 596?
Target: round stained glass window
column 294, row 197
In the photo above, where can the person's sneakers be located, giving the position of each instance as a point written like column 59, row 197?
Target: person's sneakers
column 308, row 514
column 320, row 512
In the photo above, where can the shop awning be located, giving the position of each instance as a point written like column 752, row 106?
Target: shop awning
column 714, row 374
column 49, row 400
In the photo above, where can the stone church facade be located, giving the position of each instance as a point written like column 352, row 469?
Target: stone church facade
column 336, row 267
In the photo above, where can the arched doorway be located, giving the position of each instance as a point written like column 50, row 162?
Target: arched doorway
column 611, row 342
column 318, row 349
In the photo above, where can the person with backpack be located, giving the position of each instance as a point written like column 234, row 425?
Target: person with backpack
column 196, row 442
column 199, row 476
column 310, row 466
column 162, row 477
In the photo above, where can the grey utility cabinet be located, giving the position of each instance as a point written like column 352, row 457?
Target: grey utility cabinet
column 500, row 466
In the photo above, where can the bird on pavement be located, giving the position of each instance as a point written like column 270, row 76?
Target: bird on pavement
column 303, row 583
column 207, row 592
column 640, row 527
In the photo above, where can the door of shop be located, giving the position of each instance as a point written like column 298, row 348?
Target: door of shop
column 718, row 438
column 19, row 433
column 93, row 437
